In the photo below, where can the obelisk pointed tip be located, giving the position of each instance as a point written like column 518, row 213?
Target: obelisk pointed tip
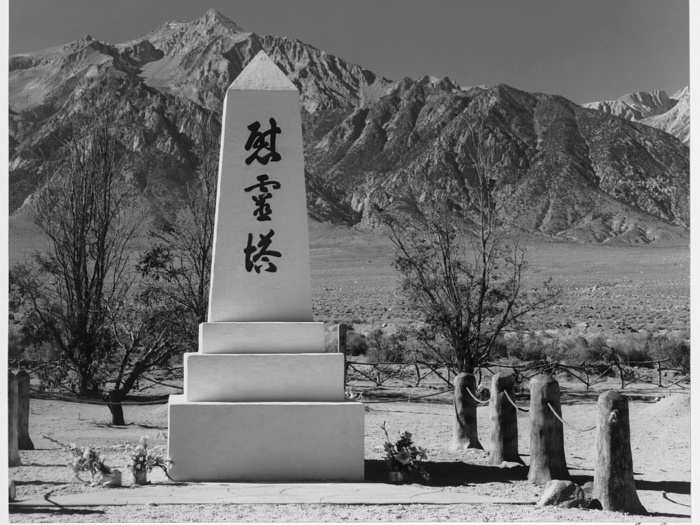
column 262, row 73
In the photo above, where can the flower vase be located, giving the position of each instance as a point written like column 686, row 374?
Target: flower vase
column 140, row 477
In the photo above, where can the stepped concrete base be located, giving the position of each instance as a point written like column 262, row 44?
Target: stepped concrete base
column 295, row 441
column 261, row 337
column 264, row 377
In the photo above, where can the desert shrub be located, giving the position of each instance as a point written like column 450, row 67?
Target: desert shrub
column 679, row 356
column 635, row 356
column 530, row 348
column 574, row 350
column 597, row 350
column 499, row 349
column 355, row 344
column 675, row 349
column 382, row 348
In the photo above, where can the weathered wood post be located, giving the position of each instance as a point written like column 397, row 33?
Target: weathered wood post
column 342, row 347
column 504, row 421
column 613, row 481
column 12, row 420
column 465, row 433
column 23, row 439
column 342, row 338
column 547, row 460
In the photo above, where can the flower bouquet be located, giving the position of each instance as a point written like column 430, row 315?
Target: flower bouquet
column 143, row 460
column 404, row 458
column 88, row 459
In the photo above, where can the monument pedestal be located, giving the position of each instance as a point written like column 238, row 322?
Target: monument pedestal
column 264, row 416
column 264, row 377
column 274, row 441
column 262, row 400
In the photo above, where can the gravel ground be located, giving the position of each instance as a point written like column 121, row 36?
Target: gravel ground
column 661, row 478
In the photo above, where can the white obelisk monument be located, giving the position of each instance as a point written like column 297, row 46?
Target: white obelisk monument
column 262, row 401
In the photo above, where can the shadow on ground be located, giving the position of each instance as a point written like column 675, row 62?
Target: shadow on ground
column 675, row 487
column 16, row 509
column 449, row 473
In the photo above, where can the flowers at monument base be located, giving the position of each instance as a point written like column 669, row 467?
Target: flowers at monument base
column 403, row 458
column 88, row 459
column 142, row 460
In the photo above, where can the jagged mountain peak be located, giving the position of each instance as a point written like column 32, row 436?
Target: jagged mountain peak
column 653, row 108
column 651, row 98
column 213, row 17
column 579, row 174
column 682, row 93
column 636, row 105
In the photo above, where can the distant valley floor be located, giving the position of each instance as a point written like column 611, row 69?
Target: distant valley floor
column 609, row 288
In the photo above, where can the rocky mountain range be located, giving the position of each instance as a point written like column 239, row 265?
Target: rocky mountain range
column 653, row 108
column 574, row 173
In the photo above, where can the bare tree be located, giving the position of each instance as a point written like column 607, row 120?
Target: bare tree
column 80, row 296
column 180, row 261
column 147, row 332
column 69, row 291
column 463, row 268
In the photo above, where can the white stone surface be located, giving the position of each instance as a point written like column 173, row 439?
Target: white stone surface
column 266, row 441
column 266, row 337
column 264, row 377
column 237, row 294
column 262, row 73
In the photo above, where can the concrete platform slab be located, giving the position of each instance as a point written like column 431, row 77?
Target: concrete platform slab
column 264, row 377
column 274, row 493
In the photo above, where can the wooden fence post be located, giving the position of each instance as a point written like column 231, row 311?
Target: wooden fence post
column 342, row 338
column 465, row 433
column 613, row 481
column 547, row 460
column 621, row 372
column 23, row 439
column 12, row 417
column 504, row 421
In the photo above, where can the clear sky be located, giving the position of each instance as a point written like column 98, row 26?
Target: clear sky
column 582, row 49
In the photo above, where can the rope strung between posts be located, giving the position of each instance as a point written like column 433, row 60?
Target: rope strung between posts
column 70, row 399
column 600, row 376
column 513, row 403
column 475, row 398
column 569, row 425
column 406, row 399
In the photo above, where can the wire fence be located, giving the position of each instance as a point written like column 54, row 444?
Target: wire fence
column 414, row 374
column 401, row 376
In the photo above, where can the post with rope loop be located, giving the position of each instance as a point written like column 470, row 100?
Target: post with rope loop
column 613, row 481
column 23, row 439
column 547, row 460
column 465, row 434
column 504, row 421
column 13, row 421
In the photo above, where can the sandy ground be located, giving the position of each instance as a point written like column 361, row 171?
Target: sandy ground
column 660, row 443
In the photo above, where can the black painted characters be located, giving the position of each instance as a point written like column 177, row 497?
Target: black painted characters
column 264, row 150
column 263, row 141
column 260, row 253
column 264, row 187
